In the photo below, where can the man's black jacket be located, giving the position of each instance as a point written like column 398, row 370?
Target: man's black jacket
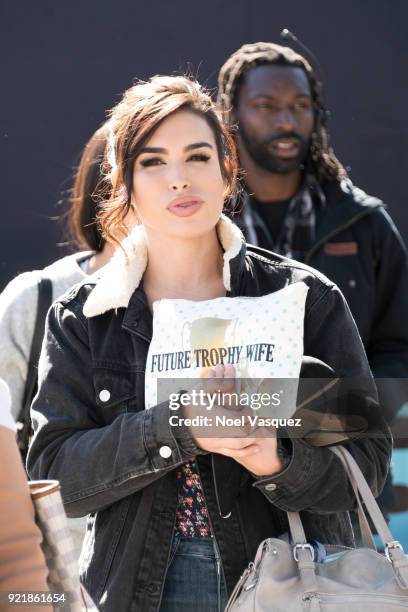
column 359, row 248
column 106, row 453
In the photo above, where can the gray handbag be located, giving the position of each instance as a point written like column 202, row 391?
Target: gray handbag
column 285, row 578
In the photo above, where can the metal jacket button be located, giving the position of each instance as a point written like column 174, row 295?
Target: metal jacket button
column 104, row 395
column 165, row 452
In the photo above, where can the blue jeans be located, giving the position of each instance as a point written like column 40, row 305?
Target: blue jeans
column 194, row 580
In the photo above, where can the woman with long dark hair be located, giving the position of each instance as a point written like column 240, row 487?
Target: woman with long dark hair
column 172, row 169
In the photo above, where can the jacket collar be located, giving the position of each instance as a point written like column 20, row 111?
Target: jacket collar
column 346, row 204
column 123, row 274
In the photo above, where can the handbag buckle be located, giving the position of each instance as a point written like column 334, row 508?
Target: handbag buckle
column 391, row 545
column 306, row 546
column 251, row 568
column 248, row 587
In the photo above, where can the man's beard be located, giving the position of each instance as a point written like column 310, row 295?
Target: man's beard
column 262, row 154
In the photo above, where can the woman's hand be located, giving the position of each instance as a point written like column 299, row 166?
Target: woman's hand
column 230, row 438
column 257, row 452
column 265, row 461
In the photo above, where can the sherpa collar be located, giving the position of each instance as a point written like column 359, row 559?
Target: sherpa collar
column 120, row 277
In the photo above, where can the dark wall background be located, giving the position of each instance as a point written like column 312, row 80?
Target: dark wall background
column 66, row 62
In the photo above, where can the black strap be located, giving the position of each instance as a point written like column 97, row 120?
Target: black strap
column 24, row 422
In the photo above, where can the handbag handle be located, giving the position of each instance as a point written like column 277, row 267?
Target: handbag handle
column 42, row 488
column 393, row 549
column 354, row 473
column 365, row 529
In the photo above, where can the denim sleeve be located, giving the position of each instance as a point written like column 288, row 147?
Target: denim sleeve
column 315, row 479
column 96, row 465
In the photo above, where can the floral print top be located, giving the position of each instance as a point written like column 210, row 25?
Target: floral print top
column 192, row 514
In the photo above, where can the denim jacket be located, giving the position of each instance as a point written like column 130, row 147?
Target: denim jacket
column 104, row 448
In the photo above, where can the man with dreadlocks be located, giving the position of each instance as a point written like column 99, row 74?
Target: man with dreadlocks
column 300, row 202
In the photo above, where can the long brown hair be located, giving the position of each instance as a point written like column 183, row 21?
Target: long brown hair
column 86, row 193
column 133, row 121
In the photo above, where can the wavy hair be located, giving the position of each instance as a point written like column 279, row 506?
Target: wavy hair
column 81, row 217
column 132, row 122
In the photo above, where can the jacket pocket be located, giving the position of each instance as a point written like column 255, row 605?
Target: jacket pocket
column 100, row 548
column 114, row 390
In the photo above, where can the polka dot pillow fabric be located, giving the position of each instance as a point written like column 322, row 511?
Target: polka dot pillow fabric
column 262, row 337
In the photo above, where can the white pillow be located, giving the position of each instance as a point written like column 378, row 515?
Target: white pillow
column 261, row 336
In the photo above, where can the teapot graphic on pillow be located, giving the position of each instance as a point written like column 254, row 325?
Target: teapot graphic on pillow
column 208, row 335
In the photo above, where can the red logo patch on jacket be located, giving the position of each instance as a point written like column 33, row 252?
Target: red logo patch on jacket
column 341, row 248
